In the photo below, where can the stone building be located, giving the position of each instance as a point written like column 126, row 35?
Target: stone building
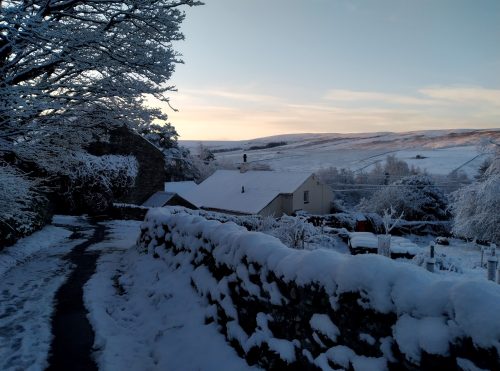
column 151, row 175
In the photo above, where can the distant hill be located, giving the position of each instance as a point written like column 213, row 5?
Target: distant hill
column 438, row 151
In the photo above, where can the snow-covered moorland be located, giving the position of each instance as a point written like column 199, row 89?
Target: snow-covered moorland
column 437, row 151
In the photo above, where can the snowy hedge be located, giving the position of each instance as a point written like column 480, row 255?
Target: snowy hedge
column 92, row 182
column 296, row 309
column 22, row 208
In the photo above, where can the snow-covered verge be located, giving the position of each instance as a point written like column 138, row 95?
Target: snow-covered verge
column 31, row 272
column 26, row 247
column 146, row 315
column 282, row 307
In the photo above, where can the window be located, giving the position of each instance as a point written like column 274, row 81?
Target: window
column 306, row 197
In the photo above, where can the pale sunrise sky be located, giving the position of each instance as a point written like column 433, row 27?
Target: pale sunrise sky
column 255, row 68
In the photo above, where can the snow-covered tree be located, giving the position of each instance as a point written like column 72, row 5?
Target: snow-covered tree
column 351, row 186
column 390, row 220
column 179, row 162
column 293, row 231
column 416, row 196
column 476, row 206
column 73, row 65
column 162, row 136
column 70, row 70
column 18, row 204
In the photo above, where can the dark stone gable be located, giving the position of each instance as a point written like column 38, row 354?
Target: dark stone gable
column 151, row 175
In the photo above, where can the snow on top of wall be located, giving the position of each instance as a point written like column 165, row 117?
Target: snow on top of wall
column 223, row 190
column 461, row 307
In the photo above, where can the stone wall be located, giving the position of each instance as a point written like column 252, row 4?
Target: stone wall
column 151, row 175
column 286, row 309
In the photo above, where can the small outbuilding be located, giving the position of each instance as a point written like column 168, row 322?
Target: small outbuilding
column 160, row 199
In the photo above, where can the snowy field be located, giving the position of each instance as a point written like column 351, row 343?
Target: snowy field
column 440, row 151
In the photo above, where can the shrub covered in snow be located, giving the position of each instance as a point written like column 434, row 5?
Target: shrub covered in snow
column 416, row 196
column 476, row 207
column 21, row 206
column 90, row 182
column 293, row 231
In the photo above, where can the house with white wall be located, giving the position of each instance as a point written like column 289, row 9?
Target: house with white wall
column 262, row 192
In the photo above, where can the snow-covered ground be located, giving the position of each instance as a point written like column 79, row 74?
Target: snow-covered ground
column 145, row 313
column 440, row 151
column 148, row 317
column 31, row 271
column 159, row 327
column 459, row 258
column 121, row 235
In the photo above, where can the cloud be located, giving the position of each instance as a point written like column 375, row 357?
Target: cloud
column 467, row 95
column 231, row 95
column 226, row 114
column 369, row 96
column 430, row 96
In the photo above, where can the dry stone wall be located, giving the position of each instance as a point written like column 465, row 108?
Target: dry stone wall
column 286, row 309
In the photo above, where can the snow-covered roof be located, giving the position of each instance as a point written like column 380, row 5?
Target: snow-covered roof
column 402, row 245
column 363, row 240
column 180, row 188
column 223, row 190
column 369, row 240
column 158, row 199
